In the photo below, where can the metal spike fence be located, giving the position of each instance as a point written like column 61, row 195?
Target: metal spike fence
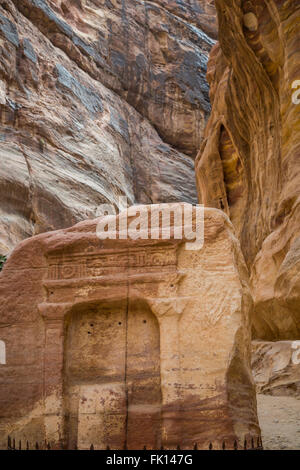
column 248, row 444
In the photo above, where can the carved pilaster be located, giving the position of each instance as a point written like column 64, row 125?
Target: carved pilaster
column 53, row 370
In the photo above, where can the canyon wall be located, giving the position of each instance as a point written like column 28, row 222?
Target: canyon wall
column 102, row 98
column 249, row 163
column 98, row 98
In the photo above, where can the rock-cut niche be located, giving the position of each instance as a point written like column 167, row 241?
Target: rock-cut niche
column 112, row 386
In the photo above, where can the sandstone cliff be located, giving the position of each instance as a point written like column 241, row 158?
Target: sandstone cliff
column 97, row 99
column 249, row 162
column 276, row 367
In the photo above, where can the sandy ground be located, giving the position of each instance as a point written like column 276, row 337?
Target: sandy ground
column 279, row 419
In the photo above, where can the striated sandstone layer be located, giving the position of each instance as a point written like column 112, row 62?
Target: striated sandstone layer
column 127, row 342
column 275, row 367
column 97, row 99
column 249, row 163
column 279, row 421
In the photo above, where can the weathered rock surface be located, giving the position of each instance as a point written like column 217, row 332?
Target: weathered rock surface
column 127, row 342
column 276, row 367
column 97, row 99
column 249, row 163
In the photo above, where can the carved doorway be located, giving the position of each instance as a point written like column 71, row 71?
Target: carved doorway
column 112, row 390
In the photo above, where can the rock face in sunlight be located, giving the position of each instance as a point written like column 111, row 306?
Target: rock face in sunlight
column 249, row 163
column 97, row 99
column 128, row 342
